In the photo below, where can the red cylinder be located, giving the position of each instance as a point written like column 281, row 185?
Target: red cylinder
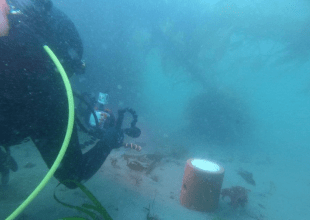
column 202, row 183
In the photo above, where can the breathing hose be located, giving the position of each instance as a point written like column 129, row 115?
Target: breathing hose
column 65, row 144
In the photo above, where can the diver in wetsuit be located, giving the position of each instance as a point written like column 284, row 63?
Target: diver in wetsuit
column 33, row 101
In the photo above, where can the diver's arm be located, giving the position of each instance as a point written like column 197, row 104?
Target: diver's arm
column 81, row 167
column 75, row 165
column 93, row 159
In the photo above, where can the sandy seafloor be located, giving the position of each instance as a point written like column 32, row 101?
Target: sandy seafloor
column 282, row 188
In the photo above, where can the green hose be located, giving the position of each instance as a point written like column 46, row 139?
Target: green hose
column 65, row 144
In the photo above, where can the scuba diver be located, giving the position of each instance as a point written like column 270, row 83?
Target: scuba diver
column 33, row 100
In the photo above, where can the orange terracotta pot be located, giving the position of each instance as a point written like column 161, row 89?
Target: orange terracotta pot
column 202, row 183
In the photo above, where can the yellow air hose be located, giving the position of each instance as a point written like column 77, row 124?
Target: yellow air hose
column 65, row 144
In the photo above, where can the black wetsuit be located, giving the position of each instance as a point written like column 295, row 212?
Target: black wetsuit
column 33, row 100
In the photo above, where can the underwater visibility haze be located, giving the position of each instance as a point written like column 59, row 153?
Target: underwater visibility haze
column 224, row 80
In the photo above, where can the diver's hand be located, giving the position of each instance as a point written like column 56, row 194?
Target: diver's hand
column 113, row 137
column 133, row 146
